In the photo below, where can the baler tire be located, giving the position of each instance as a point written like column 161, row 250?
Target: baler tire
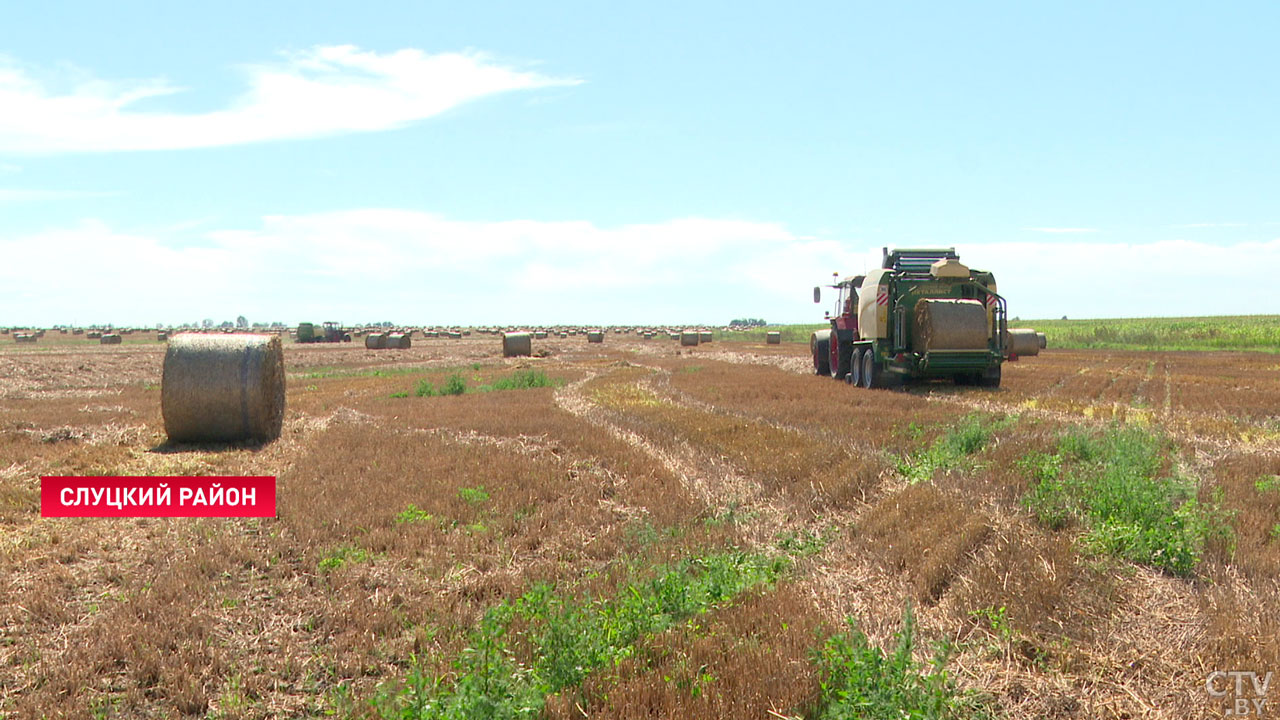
column 872, row 374
column 991, row 378
column 855, row 368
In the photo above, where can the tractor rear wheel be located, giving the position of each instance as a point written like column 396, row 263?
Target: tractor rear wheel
column 820, row 347
column 839, row 358
column 855, row 368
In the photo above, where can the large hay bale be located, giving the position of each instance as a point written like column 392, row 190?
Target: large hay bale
column 1044, row 340
column 223, row 388
column 690, row 337
column 595, row 336
column 375, row 341
column 942, row 324
column 773, row 337
column 704, row 336
column 515, row 344
column 1022, row 341
column 399, row 341
column 110, row 339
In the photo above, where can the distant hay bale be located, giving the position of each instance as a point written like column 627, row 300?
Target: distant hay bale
column 27, row 338
column 223, row 388
column 399, row 341
column 704, row 336
column 1044, row 340
column 1022, row 341
column 690, row 337
column 516, row 344
column 110, row 339
column 375, row 341
column 162, row 337
column 595, row 336
column 540, row 335
column 949, row 325
column 773, row 337
column 94, row 335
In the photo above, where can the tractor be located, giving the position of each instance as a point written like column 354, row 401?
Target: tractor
column 921, row 315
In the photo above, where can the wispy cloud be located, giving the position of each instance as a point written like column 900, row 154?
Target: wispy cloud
column 412, row 266
column 1212, row 225
column 12, row 197
column 323, row 91
column 1062, row 230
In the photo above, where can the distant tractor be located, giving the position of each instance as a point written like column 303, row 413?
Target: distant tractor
column 921, row 315
column 330, row 332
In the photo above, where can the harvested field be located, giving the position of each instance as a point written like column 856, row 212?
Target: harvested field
column 450, row 516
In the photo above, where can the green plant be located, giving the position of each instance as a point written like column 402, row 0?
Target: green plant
column 566, row 638
column 859, row 680
column 475, row 495
column 425, row 389
column 412, row 514
column 952, row 449
column 342, row 555
column 454, row 385
column 1267, row 484
column 401, row 394
column 1115, row 485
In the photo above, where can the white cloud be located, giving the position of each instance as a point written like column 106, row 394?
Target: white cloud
column 1212, row 225
column 1067, row 230
column 416, row 267
column 326, row 90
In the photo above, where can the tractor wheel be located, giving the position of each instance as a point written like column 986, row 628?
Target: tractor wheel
column 855, row 368
column 991, row 378
column 872, row 373
column 839, row 358
column 820, row 347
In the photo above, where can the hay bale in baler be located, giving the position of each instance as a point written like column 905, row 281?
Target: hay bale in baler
column 944, row 324
column 223, row 388
column 375, row 341
column 773, row 337
column 517, row 344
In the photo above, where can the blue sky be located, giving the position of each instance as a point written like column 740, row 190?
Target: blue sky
column 600, row 163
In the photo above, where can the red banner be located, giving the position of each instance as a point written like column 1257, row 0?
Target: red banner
column 152, row 496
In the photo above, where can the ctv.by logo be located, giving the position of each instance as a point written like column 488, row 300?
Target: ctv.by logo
column 1245, row 699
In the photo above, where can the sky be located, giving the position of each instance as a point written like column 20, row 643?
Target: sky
column 628, row 163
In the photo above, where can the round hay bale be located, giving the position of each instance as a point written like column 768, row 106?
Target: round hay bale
column 540, row 335
column 162, row 337
column 399, row 341
column 223, row 388
column 1023, row 342
column 1044, row 340
column 949, row 325
column 690, row 337
column 595, row 336
column 517, row 344
column 704, row 336
column 773, row 338
column 375, row 341
column 110, row 339
column 94, row 335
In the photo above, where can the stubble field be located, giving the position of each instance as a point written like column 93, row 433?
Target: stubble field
column 636, row 529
